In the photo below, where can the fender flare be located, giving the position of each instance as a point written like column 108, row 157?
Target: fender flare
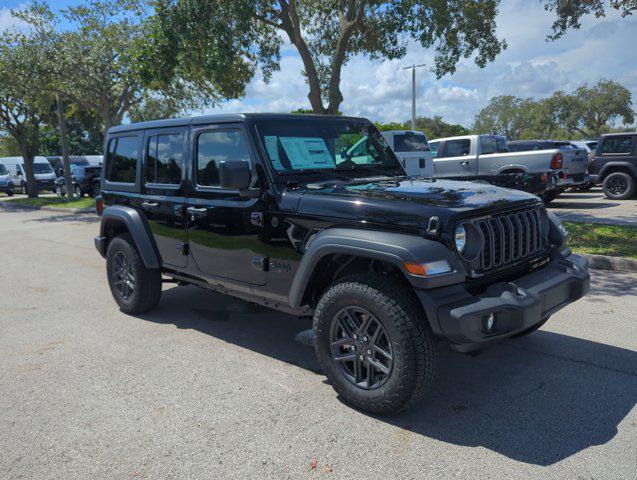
column 393, row 248
column 137, row 228
column 512, row 167
column 603, row 171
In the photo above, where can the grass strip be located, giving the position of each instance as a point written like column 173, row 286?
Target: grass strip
column 598, row 239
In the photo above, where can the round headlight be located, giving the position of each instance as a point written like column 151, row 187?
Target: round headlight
column 460, row 238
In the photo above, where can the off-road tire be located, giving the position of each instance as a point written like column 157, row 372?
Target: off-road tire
column 10, row 191
column 412, row 341
column 147, row 290
column 623, row 177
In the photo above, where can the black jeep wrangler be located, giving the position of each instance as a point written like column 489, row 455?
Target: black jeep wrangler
column 278, row 210
column 614, row 165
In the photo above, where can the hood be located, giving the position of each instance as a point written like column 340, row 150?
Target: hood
column 408, row 202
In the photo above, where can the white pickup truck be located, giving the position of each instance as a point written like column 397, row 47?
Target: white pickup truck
column 483, row 156
column 412, row 150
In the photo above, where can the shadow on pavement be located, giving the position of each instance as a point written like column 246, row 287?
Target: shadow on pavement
column 609, row 282
column 581, row 205
column 538, row 399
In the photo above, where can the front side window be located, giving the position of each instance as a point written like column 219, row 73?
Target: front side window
column 3, row 170
column 617, row 145
column 410, row 142
column 326, row 145
column 216, row 147
column 164, row 159
column 457, row 148
column 121, row 160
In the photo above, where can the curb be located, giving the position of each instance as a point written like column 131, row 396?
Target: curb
column 604, row 262
column 47, row 207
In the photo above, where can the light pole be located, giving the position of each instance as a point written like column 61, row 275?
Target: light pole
column 413, row 93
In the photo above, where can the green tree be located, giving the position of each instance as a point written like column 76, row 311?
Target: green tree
column 23, row 101
column 601, row 106
column 436, row 127
column 569, row 13
column 221, row 51
column 505, row 115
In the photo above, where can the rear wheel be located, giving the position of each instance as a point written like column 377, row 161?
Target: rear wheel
column 10, row 191
column 374, row 344
column 135, row 288
column 619, row 186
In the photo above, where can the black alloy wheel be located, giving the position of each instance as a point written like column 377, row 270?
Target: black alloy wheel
column 361, row 348
column 619, row 186
column 123, row 275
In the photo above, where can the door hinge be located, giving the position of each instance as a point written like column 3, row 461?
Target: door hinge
column 183, row 248
column 256, row 218
column 260, row 263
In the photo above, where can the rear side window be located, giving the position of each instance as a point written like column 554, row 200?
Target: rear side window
column 121, row 161
column 410, row 142
column 457, row 148
column 216, row 147
column 488, row 145
column 164, row 159
column 617, row 145
column 433, row 146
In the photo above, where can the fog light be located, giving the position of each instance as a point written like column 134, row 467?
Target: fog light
column 489, row 322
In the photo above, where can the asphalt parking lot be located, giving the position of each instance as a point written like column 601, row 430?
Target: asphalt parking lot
column 593, row 206
column 210, row 387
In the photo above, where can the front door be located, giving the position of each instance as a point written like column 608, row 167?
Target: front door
column 162, row 197
column 224, row 227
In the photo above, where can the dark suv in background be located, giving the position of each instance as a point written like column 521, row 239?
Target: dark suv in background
column 85, row 176
column 279, row 210
column 614, row 165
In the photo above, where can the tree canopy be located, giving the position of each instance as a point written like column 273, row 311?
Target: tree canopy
column 221, row 52
column 569, row 13
column 588, row 112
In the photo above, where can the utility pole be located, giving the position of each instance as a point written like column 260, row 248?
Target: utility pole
column 413, row 93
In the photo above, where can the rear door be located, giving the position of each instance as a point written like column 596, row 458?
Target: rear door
column 224, row 227
column 162, row 198
column 455, row 159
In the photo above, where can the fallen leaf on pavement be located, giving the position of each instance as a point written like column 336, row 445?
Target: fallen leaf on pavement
column 328, row 469
column 313, row 463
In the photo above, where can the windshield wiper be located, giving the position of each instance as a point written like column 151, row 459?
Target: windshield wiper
column 321, row 171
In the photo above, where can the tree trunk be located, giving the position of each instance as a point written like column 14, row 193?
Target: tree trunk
column 64, row 144
column 32, row 184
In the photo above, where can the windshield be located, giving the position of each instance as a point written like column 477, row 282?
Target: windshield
column 42, row 168
column 326, row 145
column 410, row 142
column 3, row 170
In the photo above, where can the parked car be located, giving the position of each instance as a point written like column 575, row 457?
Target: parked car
column 85, row 176
column 589, row 146
column 614, row 164
column 6, row 185
column 44, row 174
column 487, row 157
column 263, row 207
column 58, row 166
column 412, row 150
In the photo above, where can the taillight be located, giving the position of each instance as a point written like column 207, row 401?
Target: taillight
column 557, row 162
column 99, row 205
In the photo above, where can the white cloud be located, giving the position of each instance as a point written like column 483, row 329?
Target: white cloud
column 531, row 66
column 8, row 21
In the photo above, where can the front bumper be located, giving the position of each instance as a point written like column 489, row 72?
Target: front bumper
column 459, row 317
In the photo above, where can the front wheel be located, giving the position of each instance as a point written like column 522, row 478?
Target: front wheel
column 10, row 191
column 374, row 344
column 619, row 186
column 135, row 288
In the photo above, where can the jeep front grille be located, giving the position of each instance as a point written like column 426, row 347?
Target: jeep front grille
column 510, row 238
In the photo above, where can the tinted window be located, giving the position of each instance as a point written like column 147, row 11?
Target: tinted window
column 488, row 145
column 3, row 170
column 433, row 146
column 164, row 159
column 121, row 161
column 617, row 145
column 592, row 145
column 214, row 148
column 410, row 142
column 42, row 168
column 457, row 148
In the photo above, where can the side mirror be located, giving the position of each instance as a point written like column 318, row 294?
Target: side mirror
column 235, row 175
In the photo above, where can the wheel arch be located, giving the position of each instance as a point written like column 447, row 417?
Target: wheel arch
column 337, row 252
column 613, row 167
column 120, row 219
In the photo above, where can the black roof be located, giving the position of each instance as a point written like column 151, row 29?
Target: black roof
column 220, row 118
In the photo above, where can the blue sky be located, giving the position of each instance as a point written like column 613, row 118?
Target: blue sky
column 529, row 67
